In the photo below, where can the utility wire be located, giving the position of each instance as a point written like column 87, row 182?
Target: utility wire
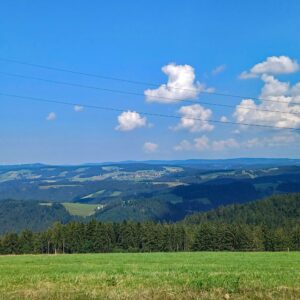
column 43, row 100
column 135, row 81
column 141, row 94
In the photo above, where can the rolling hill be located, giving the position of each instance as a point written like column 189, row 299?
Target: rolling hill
column 146, row 191
column 279, row 210
column 16, row 215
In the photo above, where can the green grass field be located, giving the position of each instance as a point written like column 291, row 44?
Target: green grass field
column 79, row 209
column 199, row 275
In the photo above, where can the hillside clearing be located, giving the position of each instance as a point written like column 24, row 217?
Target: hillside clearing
column 82, row 210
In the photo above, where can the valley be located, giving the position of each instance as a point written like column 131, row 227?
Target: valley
column 142, row 191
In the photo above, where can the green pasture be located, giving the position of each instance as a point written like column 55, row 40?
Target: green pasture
column 198, row 275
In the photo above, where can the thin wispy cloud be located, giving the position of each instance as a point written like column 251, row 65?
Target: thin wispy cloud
column 203, row 143
column 150, row 147
column 51, row 116
column 78, row 108
column 218, row 70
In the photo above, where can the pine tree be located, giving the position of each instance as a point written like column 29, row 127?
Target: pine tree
column 26, row 242
column 205, row 238
column 10, row 244
column 295, row 237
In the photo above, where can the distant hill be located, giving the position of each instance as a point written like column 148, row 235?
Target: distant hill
column 274, row 211
column 16, row 216
column 280, row 210
column 210, row 164
column 143, row 191
column 233, row 163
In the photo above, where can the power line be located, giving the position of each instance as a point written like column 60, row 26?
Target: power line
column 140, row 94
column 136, row 81
column 43, row 100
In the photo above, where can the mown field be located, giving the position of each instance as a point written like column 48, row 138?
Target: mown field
column 198, row 275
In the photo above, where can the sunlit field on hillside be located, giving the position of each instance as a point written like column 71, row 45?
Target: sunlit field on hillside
column 199, row 275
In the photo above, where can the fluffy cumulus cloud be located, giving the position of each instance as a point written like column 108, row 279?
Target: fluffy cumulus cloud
column 273, row 87
column 204, row 143
column 181, row 85
column 273, row 65
column 278, row 109
column 295, row 91
column 150, row 147
column 78, row 108
column 51, row 116
column 195, row 118
column 280, row 102
column 129, row 120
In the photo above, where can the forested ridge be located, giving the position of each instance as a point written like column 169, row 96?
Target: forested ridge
column 16, row 215
column 267, row 225
column 274, row 211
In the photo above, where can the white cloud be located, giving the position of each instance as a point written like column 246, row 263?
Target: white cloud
column 236, row 131
column 203, row 143
column 181, row 85
column 224, row 119
column 252, row 143
column 150, row 147
column 276, row 110
column 224, row 144
column 184, row 145
column 273, row 65
column 218, row 70
column 247, row 75
column 129, row 120
column 78, row 108
column 273, row 87
column 198, row 144
column 51, row 116
column 295, row 91
column 277, row 140
column 277, row 107
column 194, row 118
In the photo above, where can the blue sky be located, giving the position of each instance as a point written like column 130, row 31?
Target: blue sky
column 215, row 41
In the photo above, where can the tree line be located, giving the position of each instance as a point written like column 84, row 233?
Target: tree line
column 275, row 211
column 98, row 237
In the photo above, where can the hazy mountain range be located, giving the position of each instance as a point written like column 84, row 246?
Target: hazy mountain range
column 151, row 190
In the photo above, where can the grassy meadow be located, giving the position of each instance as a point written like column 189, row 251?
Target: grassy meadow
column 79, row 209
column 198, row 275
